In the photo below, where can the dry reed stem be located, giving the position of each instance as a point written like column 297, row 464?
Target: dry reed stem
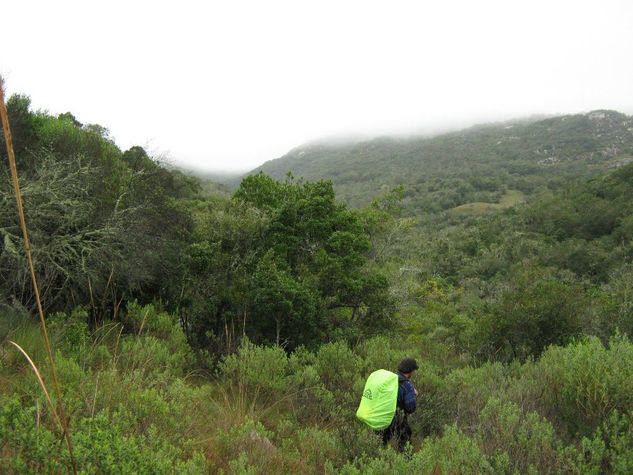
column 18, row 197
column 94, row 399
column 41, row 381
column 140, row 330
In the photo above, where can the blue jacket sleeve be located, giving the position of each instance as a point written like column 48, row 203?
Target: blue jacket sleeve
column 407, row 400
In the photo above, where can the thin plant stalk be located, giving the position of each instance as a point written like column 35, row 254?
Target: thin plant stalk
column 18, row 197
column 42, row 384
column 140, row 330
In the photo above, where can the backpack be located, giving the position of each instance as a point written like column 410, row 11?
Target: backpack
column 378, row 403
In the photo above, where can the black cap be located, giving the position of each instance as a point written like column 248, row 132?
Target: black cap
column 407, row 365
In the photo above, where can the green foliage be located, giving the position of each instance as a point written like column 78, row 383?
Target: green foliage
column 516, row 442
column 616, row 434
column 103, row 225
column 284, row 303
column 247, row 446
column 281, row 263
column 538, row 311
column 583, row 382
column 511, row 313
column 100, row 444
column 614, row 303
column 339, row 371
column 453, row 453
column 466, row 391
column 71, row 332
column 256, row 372
column 147, row 319
column 270, row 411
column 316, row 448
column 472, row 165
column 379, row 352
column 24, row 125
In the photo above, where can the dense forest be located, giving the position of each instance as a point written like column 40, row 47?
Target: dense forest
column 202, row 327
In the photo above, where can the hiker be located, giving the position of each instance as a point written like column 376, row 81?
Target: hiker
column 405, row 405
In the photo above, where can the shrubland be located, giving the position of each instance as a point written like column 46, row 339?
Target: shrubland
column 139, row 402
column 198, row 333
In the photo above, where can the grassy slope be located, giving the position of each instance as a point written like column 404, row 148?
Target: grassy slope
column 510, row 198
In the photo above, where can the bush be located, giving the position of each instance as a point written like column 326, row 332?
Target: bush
column 152, row 357
column 315, row 448
column 516, row 442
column 452, row 453
column 69, row 333
column 582, row 383
column 435, row 402
column 101, row 444
column 147, row 319
column 338, row 367
column 608, row 450
column 378, row 353
column 469, row 389
column 256, row 377
column 537, row 311
column 312, row 402
column 248, row 449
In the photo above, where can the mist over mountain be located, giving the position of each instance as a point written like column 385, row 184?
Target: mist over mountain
column 475, row 164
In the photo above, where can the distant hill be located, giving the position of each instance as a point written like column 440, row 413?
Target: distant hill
column 215, row 183
column 478, row 164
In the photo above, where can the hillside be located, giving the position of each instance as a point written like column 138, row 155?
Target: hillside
column 471, row 165
column 200, row 330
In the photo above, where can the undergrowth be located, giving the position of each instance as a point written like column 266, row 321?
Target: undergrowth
column 139, row 404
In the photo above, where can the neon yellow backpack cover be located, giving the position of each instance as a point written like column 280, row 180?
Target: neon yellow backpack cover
column 378, row 404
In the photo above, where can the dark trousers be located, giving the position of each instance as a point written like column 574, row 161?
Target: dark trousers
column 399, row 428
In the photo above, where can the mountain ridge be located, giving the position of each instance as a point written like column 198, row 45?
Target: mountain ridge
column 521, row 154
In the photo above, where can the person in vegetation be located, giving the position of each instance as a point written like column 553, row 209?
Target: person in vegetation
column 405, row 405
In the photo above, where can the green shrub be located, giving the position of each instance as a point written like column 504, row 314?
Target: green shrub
column 26, row 445
column 311, row 402
column 147, row 319
column 469, row 389
column 315, row 447
column 435, row 402
column 379, row 462
column 69, row 333
column 610, row 450
column 537, row 310
column 582, row 383
column 515, row 441
column 152, row 357
column 248, row 449
column 101, row 444
column 257, row 372
column 99, row 357
column 378, row 353
column 339, row 370
column 454, row 452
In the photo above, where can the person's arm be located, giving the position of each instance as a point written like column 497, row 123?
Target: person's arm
column 409, row 401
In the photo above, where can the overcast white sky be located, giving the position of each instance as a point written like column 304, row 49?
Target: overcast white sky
column 227, row 85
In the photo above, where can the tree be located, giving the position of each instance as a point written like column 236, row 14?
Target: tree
column 24, row 132
column 312, row 255
column 537, row 310
column 216, row 273
column 100, row 231
column 288, row 302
